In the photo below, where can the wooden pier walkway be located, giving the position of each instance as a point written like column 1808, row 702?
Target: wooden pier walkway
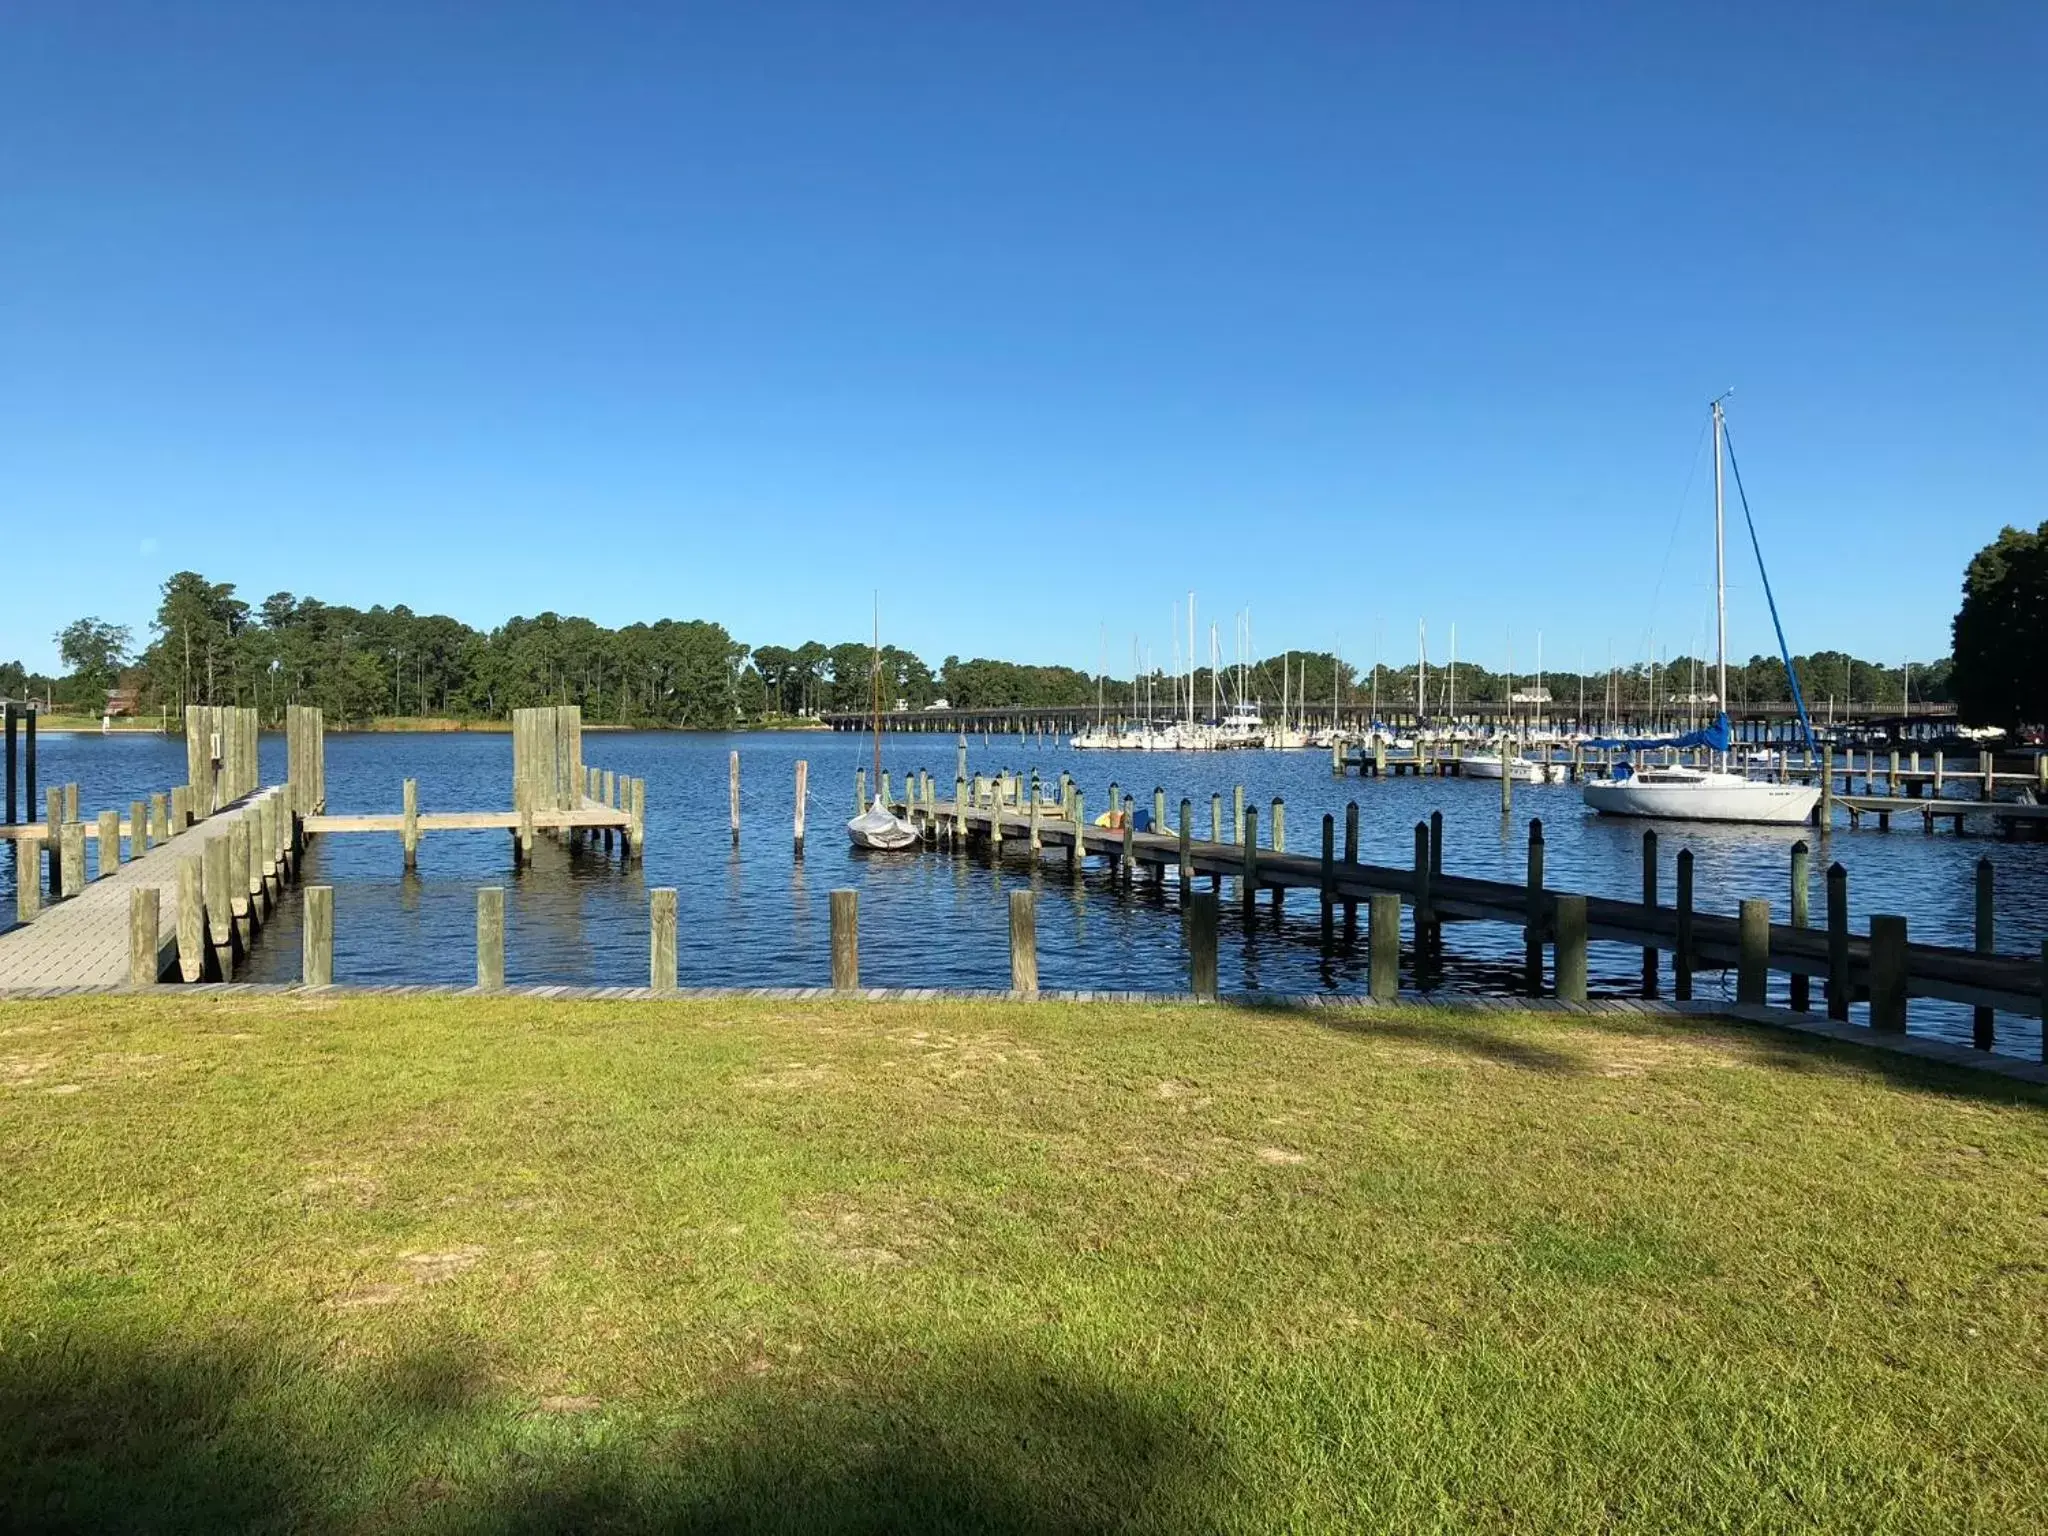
column 1712, row 941
column 86, row 939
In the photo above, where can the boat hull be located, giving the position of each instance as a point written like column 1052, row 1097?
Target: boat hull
column 1757, row 803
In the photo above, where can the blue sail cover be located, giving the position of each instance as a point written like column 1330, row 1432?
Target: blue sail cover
column 1714, row 738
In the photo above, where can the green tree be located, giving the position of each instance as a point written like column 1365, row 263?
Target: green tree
column 2001, row 632
column 95, row 651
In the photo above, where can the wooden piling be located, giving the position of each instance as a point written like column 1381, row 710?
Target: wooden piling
column 409, row 834
column 73, row 876
column 1237, row 813
column 316, row 943
column 1888, row 973
column 733, row 795
column 110, row 842
column 636, row 819
column 1802, row 881
column 1248, row 880
column 1425, row 945
column 1187, row 846
column 1826, row 809
column 1350, row 857
column 53, row 835
column 1024, row 943
column 1158, row 808
column 1753, row 951
column 1329, row 886
column 191, row 919
column 1216, row 818
column 142, row 941
column 1533, row 922
column 159, row 819
column 1383, row 944
column 490, row 937
column 1987, row 788
column 1508, row 758
column 1202, row 922
column 138, row 829
column 1681, row 955
column 860, row 790
column 846, row 940
column 661, row 938
column 1983, row 1021
column 1650, row 913
column 28, row 882
column 1570, row 943
column 1840, row 989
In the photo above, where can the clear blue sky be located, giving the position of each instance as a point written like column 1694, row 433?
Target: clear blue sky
column 1352, row 314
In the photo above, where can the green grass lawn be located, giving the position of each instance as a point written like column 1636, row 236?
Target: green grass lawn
column 352, row 1264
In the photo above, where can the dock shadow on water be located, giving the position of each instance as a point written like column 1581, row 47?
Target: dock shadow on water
column 163, row 1436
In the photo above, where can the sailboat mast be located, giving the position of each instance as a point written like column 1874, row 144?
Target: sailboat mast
column 876, row 678
column 1720, row 577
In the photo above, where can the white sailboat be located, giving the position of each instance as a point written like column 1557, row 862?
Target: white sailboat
column 878, row 827
column 1675, row 792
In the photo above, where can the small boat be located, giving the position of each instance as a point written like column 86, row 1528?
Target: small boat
column 1677, row 793
column 1526, row 770
column 1674, row 792
column 878, row 827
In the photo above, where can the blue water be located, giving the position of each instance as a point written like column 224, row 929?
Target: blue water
column 758, row 917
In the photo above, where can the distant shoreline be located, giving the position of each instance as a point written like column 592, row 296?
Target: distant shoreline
column 86, row 725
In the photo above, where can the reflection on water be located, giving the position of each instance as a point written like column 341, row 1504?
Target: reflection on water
column 757, row 916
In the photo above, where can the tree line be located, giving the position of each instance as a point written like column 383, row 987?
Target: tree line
column 206, row 645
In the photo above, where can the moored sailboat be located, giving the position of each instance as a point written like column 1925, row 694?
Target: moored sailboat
column 1676, row 792
column 878, row 827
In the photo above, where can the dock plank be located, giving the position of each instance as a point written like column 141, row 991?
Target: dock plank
column 83, row 942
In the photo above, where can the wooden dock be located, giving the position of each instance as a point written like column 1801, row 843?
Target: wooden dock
column 1882, row 966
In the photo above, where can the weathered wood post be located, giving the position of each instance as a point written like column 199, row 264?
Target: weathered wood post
column 138, row 829
column 1650, row 910
column 73, row 876
column 191, row 918
column 1248, row 879
column 1202, row 916
column 860, row 790
column 846, row 938
column 28, row 882
column 661, row 938
column 1888, row 973
column 159, row 818
column 1532, row 923
column 53, row 835
column 1216, row 818
column 733, row 794
column 1753, row 951
column 960, row 757
column 1187, row 846
column 409, row 834
column 1983, row 1021
column 1570, row 964
column 636, row 820
column 1279, row 836
column 181, row 808
column 238, row 883
column 1508, row 759
column 71, row 801
column 220, row 917
column 1237, row 813
column 109, row 830
column 1329, row 891
column 1024, row 943
column 1840, row 989
column 803, row 790
column 316, row 946
column 1681, row 956
column 1422, row 904
column 1350, row 857
column 1826, row 810
column 1939, row 774
column 1802, row 895
column 142, row 936
column 1035, row 831
column 490, row 937
column 1987, row 790
column 1383, row 944
column 1158, row 808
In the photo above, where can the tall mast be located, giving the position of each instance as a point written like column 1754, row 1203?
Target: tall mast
column 1191, row 662
column 1451, row 697
column 1421, row 665
column 1720, row 577
column 876, row 675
